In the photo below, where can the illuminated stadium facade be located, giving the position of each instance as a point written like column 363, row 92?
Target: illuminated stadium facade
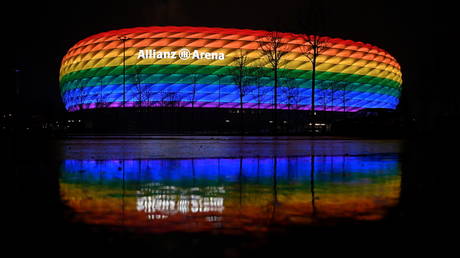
column 194, row 67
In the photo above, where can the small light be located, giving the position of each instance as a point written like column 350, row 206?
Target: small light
column 227, row 121
column 270, row 121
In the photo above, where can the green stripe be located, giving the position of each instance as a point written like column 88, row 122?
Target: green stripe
column 156, row 79
column 221, row 70
column 226, row 80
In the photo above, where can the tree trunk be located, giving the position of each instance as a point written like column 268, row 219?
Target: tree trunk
column 313, row 75
column 241, row 116
column 275, row 119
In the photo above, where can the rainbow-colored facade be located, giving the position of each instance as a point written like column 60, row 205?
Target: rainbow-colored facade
column 195, row 67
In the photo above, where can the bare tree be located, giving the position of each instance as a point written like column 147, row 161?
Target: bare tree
column 101, row 98
column 149, row 97
column 240, row 74
column 290, row 91
column 193, row 91
column 258, row 72
column 256, row 77
column 333, row 86
column 140, row 95
column 329, row 96
column 169, row 100
column 314, row 45
column 291, row 94
column 343, row 88
column 193, row 99
column 274, row 47
column 140, row 90
column 81, row 97
column 324, row 95
column 333, row 89
column 296, row 94
column 219, row 79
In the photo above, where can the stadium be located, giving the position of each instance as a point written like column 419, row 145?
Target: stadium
column 199, row 68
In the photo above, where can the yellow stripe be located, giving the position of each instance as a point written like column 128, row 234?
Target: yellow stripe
column 114, row 57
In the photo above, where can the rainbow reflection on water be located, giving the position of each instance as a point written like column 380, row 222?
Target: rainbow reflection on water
column 230, row 193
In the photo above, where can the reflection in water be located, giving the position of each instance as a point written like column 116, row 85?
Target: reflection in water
column 230, row 193
column 164, row 201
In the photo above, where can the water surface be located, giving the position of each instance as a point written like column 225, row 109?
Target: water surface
column 227, row 184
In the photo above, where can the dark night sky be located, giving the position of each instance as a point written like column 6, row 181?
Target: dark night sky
column 48, row 30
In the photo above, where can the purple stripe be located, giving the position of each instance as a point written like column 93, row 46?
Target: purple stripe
column 200, row 104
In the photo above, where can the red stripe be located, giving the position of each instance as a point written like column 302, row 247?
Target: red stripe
column 205, row 30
